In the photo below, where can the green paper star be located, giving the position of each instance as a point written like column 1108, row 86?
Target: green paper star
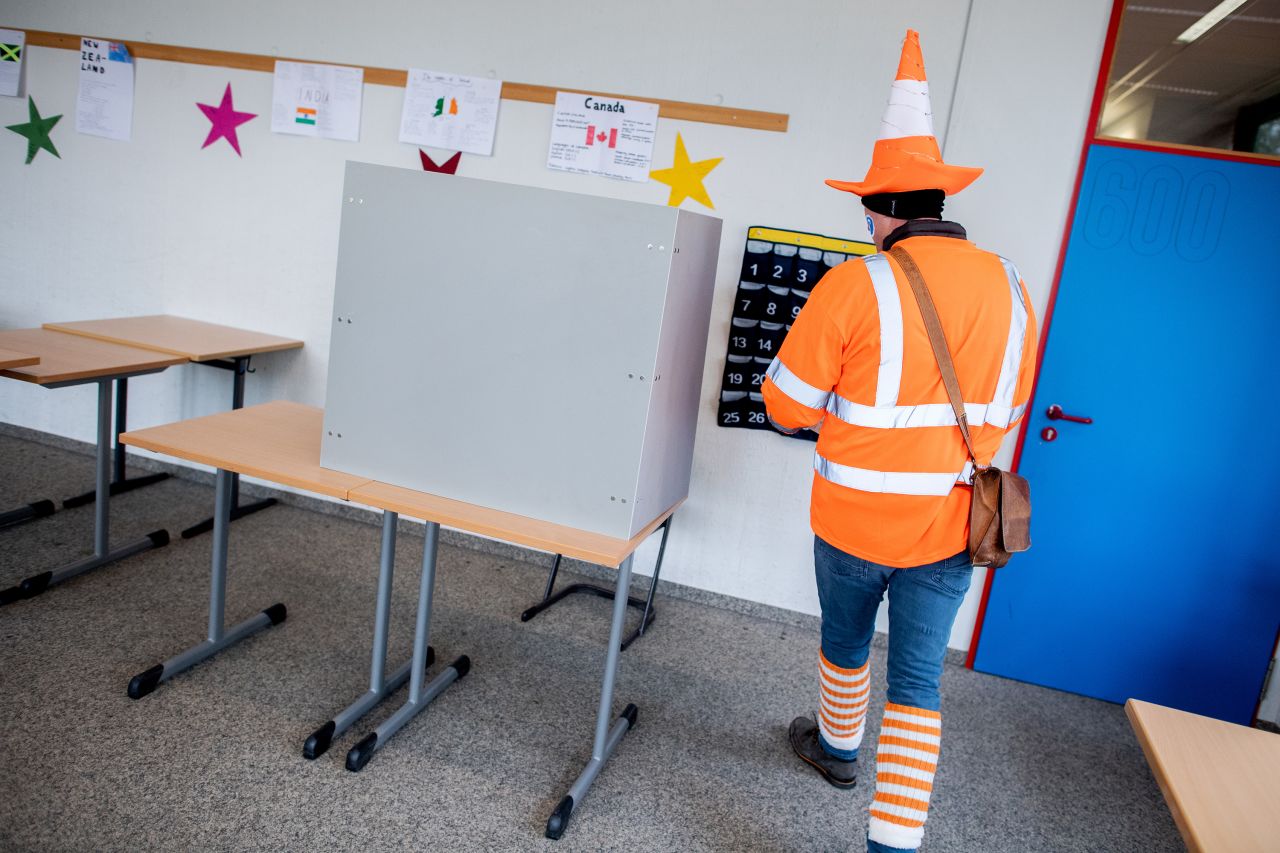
column 37, row 132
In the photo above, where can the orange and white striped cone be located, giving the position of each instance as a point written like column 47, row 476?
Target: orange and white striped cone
column 906, row 155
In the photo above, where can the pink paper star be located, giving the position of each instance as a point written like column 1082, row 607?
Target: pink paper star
column 225, row 121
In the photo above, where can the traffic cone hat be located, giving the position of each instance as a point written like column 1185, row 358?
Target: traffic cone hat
column 906, row 157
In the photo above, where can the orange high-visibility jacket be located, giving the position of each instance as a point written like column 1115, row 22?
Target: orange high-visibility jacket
column 891, row 469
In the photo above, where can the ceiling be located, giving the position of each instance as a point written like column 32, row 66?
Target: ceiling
column 1190, row 93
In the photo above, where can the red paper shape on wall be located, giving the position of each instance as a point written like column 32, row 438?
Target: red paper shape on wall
column 449, row 167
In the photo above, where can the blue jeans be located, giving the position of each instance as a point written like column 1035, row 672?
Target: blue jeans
column 923, row 602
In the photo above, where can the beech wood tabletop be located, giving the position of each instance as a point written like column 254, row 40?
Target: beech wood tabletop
column 1219, row 779
column 9, row 358
column 280, row 442
column 67, row 358
column 194, row 339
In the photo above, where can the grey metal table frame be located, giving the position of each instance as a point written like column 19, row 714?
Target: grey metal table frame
column 219, row 636
column 239, row 366
column 102, row 552
column 609, row 730
column 121, row 482
column 420, row 695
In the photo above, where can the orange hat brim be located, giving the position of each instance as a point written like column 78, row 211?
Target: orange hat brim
column 949, row 179
column 908, row 164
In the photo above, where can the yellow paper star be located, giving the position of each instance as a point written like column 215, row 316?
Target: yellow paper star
column 685, row 177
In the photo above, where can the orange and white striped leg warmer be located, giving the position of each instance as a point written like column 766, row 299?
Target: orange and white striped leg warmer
column 843, row 708
column 906, row 759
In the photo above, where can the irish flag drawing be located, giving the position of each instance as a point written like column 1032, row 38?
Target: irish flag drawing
column 305, row 115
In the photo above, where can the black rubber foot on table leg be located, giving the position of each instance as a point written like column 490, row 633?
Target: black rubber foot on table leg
column 159, row 538
column 630, row 713
column 145, row 682
column 29, row 588
column 319, row 742
column 36, row 584
column 462, row 666
column 559, row 820
column 360, row 754
column 276, row 613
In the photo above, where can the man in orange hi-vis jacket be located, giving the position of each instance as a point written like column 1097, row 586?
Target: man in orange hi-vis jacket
column 890, row 503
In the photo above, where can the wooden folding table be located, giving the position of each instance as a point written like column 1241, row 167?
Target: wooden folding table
column 280, row 442
column 1220, row 780
column 66, row 360
column 204, row 343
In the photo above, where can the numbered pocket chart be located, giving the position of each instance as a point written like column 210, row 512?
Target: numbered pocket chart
column 779, row 269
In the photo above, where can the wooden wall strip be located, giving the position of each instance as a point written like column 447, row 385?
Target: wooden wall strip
column 753, row 119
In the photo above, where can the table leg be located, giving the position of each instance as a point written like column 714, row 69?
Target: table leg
column 239, row 367
column 380, row 686
column 102, row 553
column 645, row 605
column 120, row 481
column 609, row 731
column 420, row 695
column 218, row 637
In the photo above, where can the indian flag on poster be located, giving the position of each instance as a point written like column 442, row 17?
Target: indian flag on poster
column 317, row 100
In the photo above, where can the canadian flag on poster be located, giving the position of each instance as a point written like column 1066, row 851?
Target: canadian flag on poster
column 599, row 135
column 595, row 135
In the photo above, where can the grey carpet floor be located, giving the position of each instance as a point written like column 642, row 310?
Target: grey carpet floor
column 212, row 760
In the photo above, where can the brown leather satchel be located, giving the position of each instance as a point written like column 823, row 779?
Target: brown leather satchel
column 1000, row 515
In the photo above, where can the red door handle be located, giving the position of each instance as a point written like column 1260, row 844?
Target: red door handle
column 1055, row 413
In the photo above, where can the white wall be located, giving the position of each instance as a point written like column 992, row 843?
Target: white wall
column 158, row 225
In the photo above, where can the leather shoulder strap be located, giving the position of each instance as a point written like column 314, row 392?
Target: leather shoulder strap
column 937, row 339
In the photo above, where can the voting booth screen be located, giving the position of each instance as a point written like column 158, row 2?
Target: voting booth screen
column 779, row 270
column 521, row 349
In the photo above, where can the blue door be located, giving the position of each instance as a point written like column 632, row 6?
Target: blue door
column 1155, row 571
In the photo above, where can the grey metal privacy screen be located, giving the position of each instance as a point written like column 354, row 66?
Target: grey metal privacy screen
column 533, row 351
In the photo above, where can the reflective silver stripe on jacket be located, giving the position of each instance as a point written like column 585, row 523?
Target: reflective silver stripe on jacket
column 886, row 414
column 1007, row 384
column 885, row 286
column 795, row 387
column 890, row 482
column 923, row 415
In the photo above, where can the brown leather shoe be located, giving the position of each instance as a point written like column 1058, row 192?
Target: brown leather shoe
column 803, row 735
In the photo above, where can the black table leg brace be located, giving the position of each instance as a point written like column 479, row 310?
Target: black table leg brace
column 239, row 366
column 645, row 605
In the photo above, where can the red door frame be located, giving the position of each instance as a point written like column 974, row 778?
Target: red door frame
column 1091, row 138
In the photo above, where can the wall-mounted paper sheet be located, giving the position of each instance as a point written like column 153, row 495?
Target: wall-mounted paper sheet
column 450, row 111
column 595, row 135
column 105, row 103
column 12, row 46
column 317, row 100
